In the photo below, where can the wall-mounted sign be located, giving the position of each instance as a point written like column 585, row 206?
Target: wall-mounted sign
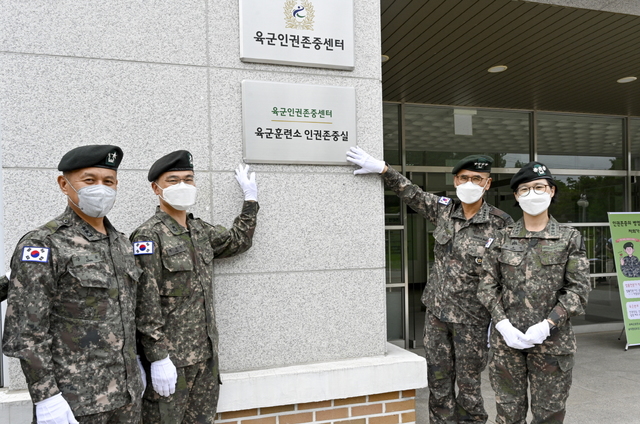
column 316, row 33
column 297, row 123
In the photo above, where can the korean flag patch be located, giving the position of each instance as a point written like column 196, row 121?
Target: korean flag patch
column 35, row 254
column 143, row 248
column 444, row 201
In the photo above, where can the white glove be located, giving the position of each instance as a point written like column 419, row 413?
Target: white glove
column 538, row 333
column 54, row 410
column 247, row 183
column 512, row 336
column 368, row 164
column 143, row 375
column 164, row 376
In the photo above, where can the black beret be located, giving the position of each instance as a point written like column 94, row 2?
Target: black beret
column 530, row 172
column 628, row 244
column 96, row 155
column 180, row 160
column 478, row 163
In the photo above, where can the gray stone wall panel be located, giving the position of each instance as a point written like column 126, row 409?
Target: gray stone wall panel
column 321, row 316
column 163, row 31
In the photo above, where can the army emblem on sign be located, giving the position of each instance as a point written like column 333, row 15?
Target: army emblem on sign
column 299, row 14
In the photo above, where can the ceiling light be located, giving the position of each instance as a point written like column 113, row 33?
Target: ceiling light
column 496, row 69
column 384, row 58
column 627, row 79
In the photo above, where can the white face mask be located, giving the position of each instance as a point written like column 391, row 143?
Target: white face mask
column 179, row 196
column 534, row 204
column 469, row 192
column 95, row 200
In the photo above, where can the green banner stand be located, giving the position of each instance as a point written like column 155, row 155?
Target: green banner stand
column 625, row 238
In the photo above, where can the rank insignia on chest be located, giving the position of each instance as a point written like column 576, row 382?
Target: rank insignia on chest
column 35, row 254
column 444, row 201
column 478, row 261
column 489, row 242
column 143, row 248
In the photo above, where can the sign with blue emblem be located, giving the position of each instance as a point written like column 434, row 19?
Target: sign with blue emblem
column 314, row 33
column 143, row 248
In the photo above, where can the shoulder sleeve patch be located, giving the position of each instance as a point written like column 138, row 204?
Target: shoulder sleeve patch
column 35, row 254
column 143, row 248
column 444, row 200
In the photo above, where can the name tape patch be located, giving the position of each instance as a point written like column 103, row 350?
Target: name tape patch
column 143, row 248
column 35, row 254
column 444, row 200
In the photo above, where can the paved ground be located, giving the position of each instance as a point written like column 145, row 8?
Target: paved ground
column 606, row 384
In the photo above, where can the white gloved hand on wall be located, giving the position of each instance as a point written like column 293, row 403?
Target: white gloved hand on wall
column 247, row 182
column 368, row 164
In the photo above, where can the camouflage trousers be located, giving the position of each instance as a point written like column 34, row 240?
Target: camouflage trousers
column 127, row 414
column 549, row 379
column 194, row 402
column 456, row 354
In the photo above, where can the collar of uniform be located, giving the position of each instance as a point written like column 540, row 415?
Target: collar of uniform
column 71, row 218
column 551, row 231
column 171, row 223
column 481, row 216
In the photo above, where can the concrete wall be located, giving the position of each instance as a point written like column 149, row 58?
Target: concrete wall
column 153, row 77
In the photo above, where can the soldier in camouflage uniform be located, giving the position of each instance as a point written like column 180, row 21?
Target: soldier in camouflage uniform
column 72, row 294
column 537, row 277
column 630, row 265
column 455, row 333
column 175, row 314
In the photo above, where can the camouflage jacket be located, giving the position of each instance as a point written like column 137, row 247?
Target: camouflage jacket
column 70, row 314
column 531, row 276
column 175, row 312
column 631, row 266
column 450, row 293
column 4, row 288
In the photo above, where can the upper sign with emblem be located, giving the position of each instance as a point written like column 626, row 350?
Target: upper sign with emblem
column 318, row 34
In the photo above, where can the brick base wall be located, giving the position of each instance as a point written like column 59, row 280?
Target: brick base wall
column 383, row 408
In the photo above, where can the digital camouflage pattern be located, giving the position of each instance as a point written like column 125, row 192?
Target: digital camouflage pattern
column 455, row 352
column 548, row 376
column 175, row 310
column 529, row 277
column 456, row 321
column 450, row 294
column 195, row 400
column 4, row 288
column 630, row 266
column 70, row 320
column 129, row 413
